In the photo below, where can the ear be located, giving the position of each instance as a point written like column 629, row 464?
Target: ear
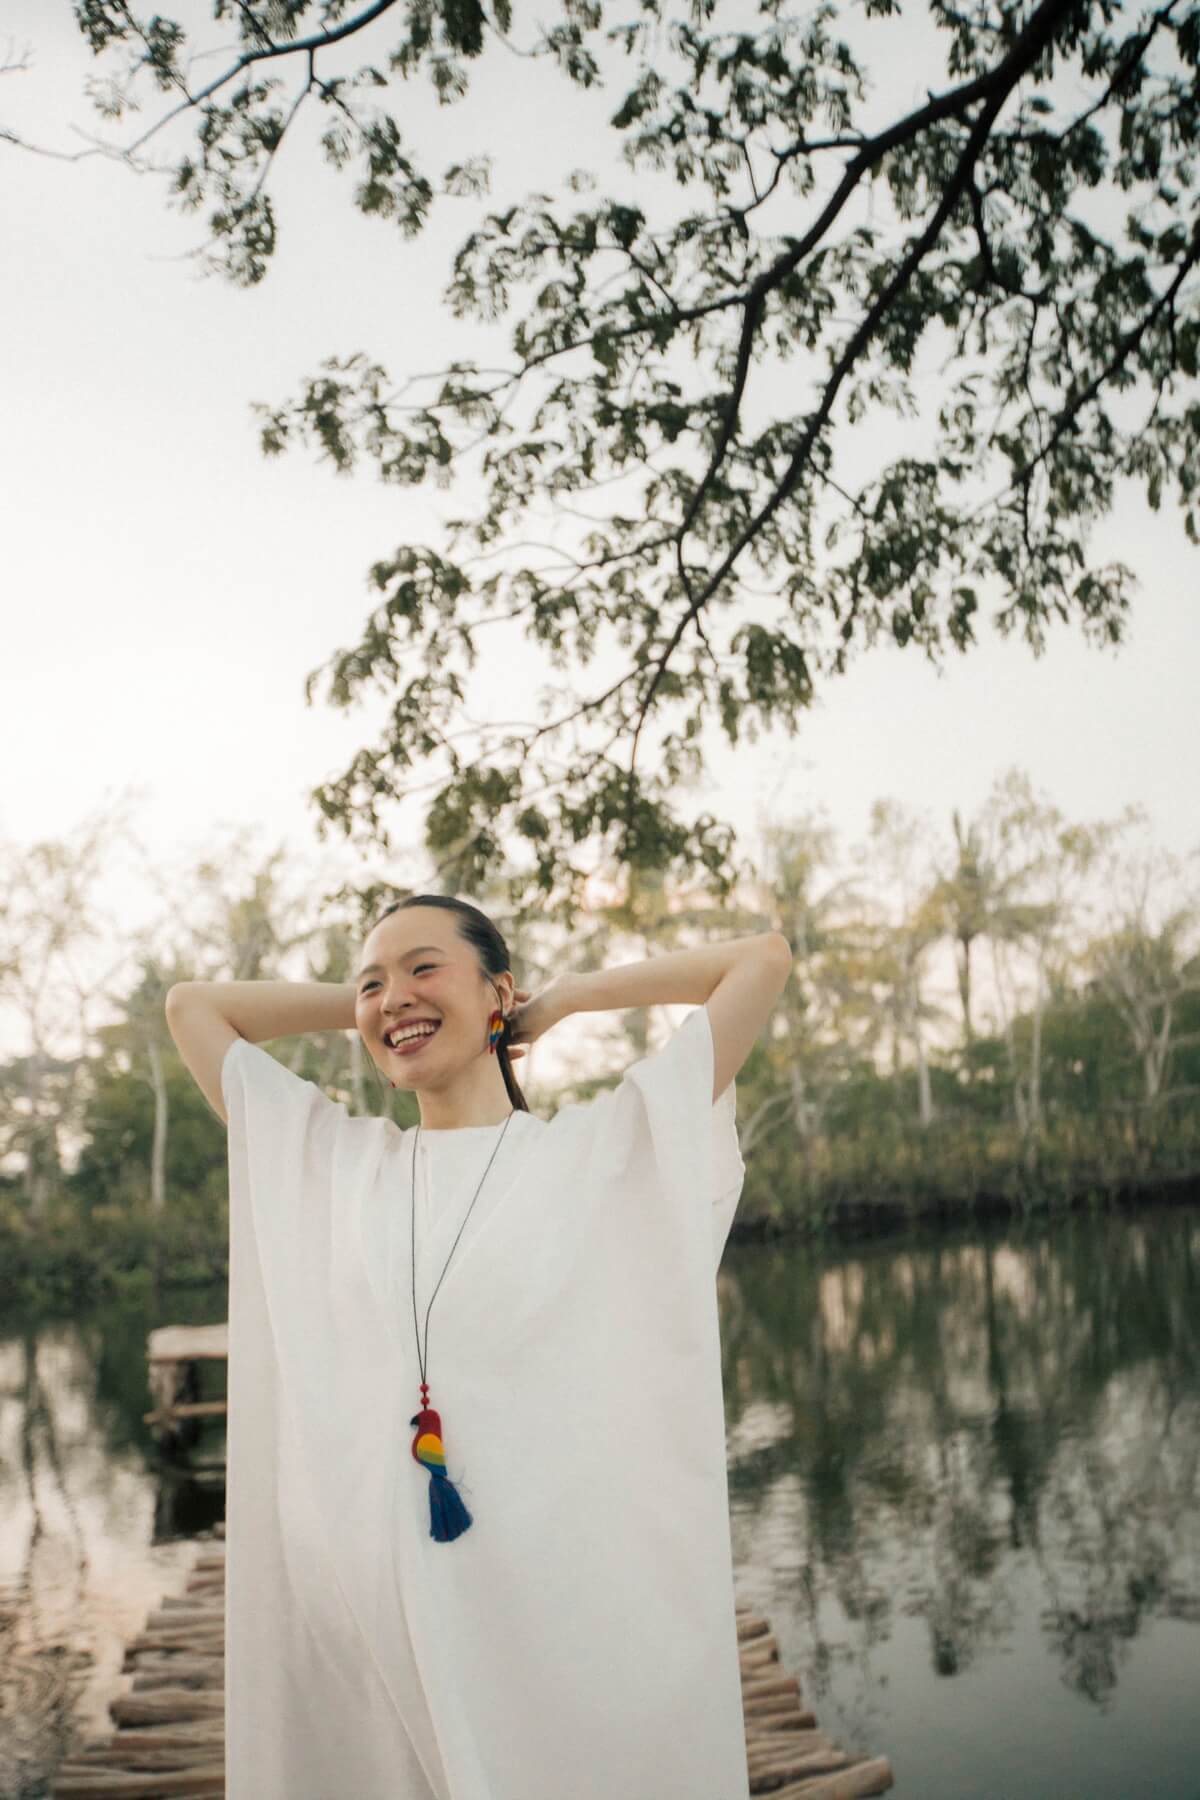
column 505, row 988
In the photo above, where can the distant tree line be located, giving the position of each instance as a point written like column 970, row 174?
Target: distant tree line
column 1005, row 1013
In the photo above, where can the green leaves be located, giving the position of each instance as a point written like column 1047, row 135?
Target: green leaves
column 811, row 376
column 777, row 676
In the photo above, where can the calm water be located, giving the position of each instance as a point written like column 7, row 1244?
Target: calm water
column 965, row 1488
column 964, row 1482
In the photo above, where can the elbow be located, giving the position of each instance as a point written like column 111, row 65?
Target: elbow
column 777, row 952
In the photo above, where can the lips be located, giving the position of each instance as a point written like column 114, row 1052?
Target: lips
column 410, row 1046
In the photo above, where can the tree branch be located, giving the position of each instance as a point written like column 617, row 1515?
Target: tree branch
column 995, row 88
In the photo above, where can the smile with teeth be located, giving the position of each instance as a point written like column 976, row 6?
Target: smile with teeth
column 404, row 1040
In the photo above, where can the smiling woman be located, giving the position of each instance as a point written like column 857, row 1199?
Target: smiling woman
column 435, row 993
column 382, row 1637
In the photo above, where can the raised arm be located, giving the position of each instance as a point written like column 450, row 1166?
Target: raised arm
column 738, row 979
column 204, row 1017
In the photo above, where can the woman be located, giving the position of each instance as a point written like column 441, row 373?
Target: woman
column 479, row 1549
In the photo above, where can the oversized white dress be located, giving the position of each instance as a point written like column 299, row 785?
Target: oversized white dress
column 578, row 1641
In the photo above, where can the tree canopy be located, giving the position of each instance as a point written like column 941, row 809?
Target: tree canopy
column 812, row 372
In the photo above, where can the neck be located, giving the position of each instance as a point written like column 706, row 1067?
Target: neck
column 475, row 1095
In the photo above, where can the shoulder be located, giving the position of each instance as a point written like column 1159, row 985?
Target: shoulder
column 245, row 1060
column 658, row 1131
column 251, row 1076
column 678, row 1071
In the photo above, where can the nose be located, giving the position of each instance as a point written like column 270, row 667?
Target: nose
column 396, row 1001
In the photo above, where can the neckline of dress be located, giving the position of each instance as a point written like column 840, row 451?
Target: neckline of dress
column 446, row 1131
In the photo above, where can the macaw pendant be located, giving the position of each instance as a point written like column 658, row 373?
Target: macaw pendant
column 448, row 1516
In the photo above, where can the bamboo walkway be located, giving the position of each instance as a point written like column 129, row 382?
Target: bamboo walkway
column 170, row 1737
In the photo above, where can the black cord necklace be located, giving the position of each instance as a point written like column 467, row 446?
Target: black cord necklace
column 448, row 1515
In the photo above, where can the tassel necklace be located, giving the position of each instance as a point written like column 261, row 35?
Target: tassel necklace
column 448, row 1515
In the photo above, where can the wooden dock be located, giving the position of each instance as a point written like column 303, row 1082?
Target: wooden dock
column 173, row 1357
column 170, row 1737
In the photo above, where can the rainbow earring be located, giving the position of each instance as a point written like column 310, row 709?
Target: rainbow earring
column 495, row 1030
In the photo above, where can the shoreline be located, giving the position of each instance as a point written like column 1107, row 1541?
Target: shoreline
column 57, row 1264
column 870, row 1219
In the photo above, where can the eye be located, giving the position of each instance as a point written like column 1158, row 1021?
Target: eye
column 417, row 971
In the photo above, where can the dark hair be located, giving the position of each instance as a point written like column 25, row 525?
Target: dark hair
column 477, row 929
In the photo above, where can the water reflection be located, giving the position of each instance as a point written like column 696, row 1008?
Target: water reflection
column 963, row 1485
column 92, row 1530
column 981, row 1448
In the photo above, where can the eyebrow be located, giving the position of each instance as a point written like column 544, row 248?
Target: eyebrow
column 419, row 951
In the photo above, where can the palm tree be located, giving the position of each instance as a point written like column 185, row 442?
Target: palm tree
column 980, row 897
column 964, row 897
column 821, row 1025
column 903, row 925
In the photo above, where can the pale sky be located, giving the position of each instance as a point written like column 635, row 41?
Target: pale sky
column 166, row 589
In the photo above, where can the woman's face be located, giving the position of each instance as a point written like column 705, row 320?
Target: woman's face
column 415, row 973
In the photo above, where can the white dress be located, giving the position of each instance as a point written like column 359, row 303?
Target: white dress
column 578, row 1640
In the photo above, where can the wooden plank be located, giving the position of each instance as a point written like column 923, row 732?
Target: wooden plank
column 186, row 1409
column 188, row 1343
column 167, row 1704
column 871, row 1777
column 175, row 1784
column 798, row 1720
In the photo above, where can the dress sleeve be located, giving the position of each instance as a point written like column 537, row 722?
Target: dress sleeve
column 663, row 1108
column 283, row 1133
column 274, row 1115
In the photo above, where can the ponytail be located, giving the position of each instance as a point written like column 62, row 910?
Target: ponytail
column 511, row 1083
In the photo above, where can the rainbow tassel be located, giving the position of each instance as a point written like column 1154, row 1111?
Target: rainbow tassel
column 448, row 1516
